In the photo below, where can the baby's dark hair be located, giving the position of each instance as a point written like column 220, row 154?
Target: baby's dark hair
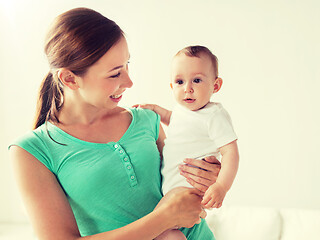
column 195, row 51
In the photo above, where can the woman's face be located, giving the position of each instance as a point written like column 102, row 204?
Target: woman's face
column 104, row 82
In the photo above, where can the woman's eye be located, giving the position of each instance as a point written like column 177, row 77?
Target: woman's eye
column 179, row 82
column 115, row 76
column 197, row 80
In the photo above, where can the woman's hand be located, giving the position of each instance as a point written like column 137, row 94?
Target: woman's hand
column 201, row 173
column 146, row 106
column 183, row 206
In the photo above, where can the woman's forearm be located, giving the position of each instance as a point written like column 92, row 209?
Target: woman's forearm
column 146, row 228
column 164, row 114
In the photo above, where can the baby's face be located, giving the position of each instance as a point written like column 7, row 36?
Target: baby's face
column 192, row 80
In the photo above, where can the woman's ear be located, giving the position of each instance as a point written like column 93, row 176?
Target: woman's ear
column 68, row 78
column 217, row 84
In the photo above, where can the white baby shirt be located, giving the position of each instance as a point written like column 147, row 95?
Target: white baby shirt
column 193, row 134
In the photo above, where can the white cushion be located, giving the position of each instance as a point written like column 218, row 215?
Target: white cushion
column 300, row 224
column 245, row 223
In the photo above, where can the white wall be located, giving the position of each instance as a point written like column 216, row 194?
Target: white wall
column 269, row 60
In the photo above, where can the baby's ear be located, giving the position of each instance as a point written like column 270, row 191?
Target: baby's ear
column 217, row 85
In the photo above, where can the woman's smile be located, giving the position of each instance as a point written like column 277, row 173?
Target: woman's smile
column 116, row 98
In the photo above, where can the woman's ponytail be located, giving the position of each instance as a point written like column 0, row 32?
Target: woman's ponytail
column 49, row 101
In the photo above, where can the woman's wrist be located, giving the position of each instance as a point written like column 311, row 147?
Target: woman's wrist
column 164, row 213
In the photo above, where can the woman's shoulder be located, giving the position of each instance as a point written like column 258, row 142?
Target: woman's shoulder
column 36, row 135
column 37, row 143
column 140, row 114
column 146, row 119
column 136, row 113
column 143, row 113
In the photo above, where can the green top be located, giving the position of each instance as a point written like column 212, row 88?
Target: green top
column 108, row 185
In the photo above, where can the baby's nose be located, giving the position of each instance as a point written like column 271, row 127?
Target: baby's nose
column 188, row 89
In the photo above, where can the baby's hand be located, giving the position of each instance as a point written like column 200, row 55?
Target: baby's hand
column 145, row 106
column 214, row 196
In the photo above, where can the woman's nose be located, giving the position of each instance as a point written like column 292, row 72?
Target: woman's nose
column 127, row 83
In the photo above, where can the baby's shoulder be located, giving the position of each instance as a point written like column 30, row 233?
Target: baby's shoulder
column 212, row 108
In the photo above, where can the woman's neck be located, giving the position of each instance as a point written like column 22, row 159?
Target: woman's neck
column 83, row 114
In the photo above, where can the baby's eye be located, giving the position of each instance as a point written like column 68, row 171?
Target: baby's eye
column 197, row 80
column 115, row 76
column 179, row 82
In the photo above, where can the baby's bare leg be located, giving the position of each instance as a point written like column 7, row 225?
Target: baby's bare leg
column 171, row 234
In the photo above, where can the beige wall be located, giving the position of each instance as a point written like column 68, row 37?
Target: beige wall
column 269, row 60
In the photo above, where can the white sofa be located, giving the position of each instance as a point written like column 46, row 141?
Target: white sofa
column 257, row 223
column 232, row 223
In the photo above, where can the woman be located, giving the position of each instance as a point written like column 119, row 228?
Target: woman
column 90, row 169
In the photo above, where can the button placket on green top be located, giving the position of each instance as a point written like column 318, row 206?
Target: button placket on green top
column 127, row 164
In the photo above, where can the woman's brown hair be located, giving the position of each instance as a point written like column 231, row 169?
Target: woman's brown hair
column 77, row 39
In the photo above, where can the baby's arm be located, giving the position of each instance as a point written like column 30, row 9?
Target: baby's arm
column 215, row 194
column 164, row 113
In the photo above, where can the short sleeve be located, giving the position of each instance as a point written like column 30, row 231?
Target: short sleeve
column 220, row 128
column 156, row 124
column 152, row 119
column 33, row 144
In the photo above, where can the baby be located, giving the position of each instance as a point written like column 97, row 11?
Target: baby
column 197, row 127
